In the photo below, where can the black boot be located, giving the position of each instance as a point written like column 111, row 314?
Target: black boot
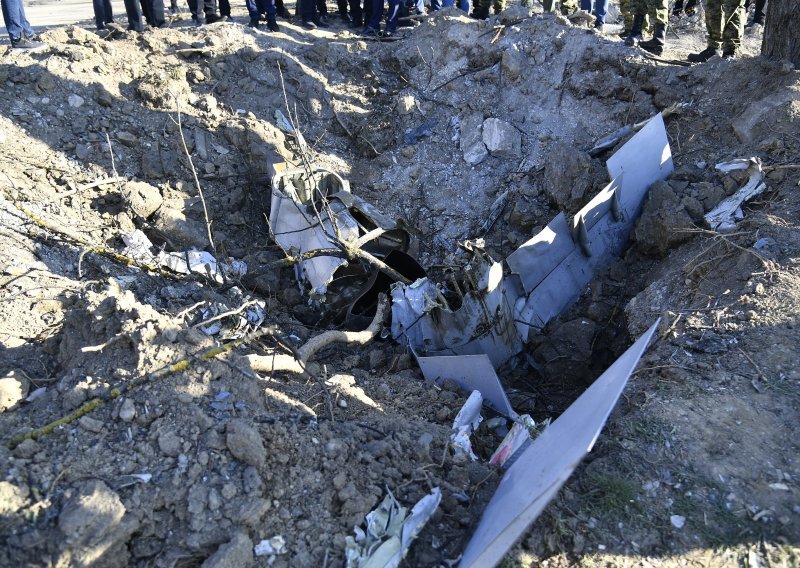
column 656, row 45
column 272, row 25
column 636, row 31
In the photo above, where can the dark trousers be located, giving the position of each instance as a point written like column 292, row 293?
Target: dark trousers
column 153, row 11
column 102, row 13
column 355, row 10
column 307, row 10
column 257, row 7
column 203, row 10
column 377, row 15
column 225, row 8
column 134, row 11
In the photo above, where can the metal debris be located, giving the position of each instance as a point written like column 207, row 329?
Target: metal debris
column 271, row 547
column 723, row 217
column 466, row 422
column 389, row 532
column 544, row 466
column 471, row 372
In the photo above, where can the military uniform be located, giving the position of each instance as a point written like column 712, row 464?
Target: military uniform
column 725, row 24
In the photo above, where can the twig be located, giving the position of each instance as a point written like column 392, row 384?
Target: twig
column 96, row 348
column 194, row 171
column 761, row 374
column 104, row 181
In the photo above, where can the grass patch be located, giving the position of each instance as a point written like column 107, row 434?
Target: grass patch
column 611, row 495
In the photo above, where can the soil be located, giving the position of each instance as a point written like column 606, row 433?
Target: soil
column 698, row 463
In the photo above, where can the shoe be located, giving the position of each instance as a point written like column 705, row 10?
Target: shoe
column 704, row 55
column 635, row 36
column 346, row 18
column 25, row 44
column 386, row 34
column 254, row 24
column 309, row 25
column 272, row 25
column 320, row 23
column 355, row 24
column 754, row 27
column 285, row 14
column 598, row 26
column 730, row 55
column 370, row 32
column 655, row 45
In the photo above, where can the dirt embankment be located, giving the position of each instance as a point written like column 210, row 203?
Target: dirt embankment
column 697, row 464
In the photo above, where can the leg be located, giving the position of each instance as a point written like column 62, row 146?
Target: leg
column 733, row 27
column 225, row 8
column 376, row 14
column 99, row 14
column 134, row 11
column 464, row 5
column 656, row 44
column 16, row 21
column 156, row 9
column 600, row 11
column 357, row 13
column 714, row 23
column 108, row 12
column 391, row 17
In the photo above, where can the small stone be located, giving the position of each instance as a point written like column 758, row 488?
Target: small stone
column 128, row 139
column 75, row 101
column 103, row 97
column 471, row 143
column 214, row 500
column 406, row 104
column 13, row 390
column 82, row 151
column 236, row 553
column 759, row 289
column 342, row 403
column 90, row 424
column 141, row 198
column 12, row 498
column 678, row 521
column 91, row 513
column 127, row 411
column 27, row 449
column 501, row 138
column 169, row 443
column 245, row 443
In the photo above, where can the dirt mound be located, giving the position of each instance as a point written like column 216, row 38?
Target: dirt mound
column 464, row 129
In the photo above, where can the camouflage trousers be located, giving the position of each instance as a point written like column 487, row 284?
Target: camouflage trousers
column 725, row 23
column 499, row 5
column 627, row 13
column 658, row 9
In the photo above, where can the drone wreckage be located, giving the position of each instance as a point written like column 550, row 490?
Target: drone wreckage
column 467, row 329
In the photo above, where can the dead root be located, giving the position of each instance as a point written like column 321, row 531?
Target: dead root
column 297, row 364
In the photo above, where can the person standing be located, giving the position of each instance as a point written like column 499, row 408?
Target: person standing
column 153, row 11
column 660, row 11
column 759, row 14
column 725, row 27
column 19, row 28
column 600, row 11
column 102, row 13
column 257, row 7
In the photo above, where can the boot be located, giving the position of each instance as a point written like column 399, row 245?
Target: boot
column 656, row 45
column 272, row 25
column 635, row 36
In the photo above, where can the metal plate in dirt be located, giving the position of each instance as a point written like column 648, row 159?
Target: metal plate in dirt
column 535, row 478
column 471, row 372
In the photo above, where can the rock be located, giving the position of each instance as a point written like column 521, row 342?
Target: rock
column 169, row 443
column 678, row 521
column 501, row 138
column 570, row 176
column 90, row 512
column 12, row 497
column 127, row 412
column 182, row 232
column 159, row 163
column 664, row 223
column 759, row 117
column 82, row 151
column 245, row 443
column 75, row 101
column 142, row 198
column 90, row 424
column 406, row 104
column 471, row 143
column 512, row 63
column 103, row 97
column 238, row 552
column 13, row 389
column 127, row 139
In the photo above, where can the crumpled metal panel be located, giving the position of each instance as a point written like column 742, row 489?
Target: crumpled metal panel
column 642, row 161
column 546, row 464
column 539, row 256
column 471, row 372
column 483, row 324
column 295, row 225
